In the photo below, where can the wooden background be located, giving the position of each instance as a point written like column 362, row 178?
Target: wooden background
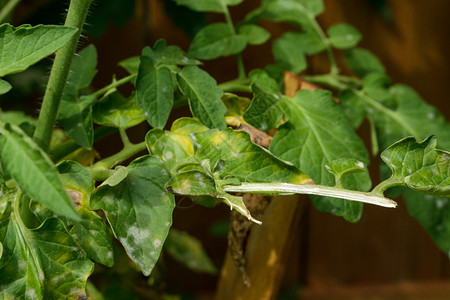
column 385, row 255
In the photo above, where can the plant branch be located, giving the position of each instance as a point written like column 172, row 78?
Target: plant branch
column 236, row 85
column 311, row 189
column 113, row 85
column 76, row 16
column 7, row 9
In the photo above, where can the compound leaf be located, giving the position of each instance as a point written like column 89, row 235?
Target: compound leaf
column 139, row 210
column 23, row 46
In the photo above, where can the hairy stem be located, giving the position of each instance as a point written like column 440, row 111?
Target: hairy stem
column 127, row 152
column 236, row 85
column 311, row 189
column 76, row 16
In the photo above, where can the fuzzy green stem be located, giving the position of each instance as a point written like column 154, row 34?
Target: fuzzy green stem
column 311, row 189
column 240, row 62
column 76, row 16
column 7, row 9
column 113, row 85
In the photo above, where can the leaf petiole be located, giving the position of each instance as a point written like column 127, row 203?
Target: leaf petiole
column 311, row 189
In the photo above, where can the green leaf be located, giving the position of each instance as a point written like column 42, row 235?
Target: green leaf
column 169, row 55
column 311, row 42
column 139, row 210
column 120, row 174
column 342, row 166
column 420, row 166
column 44, row 263
column 154, row 92
column 254, row 34
column 117, row 111
column 204, row 96
column 344, row 36
column 33, row 171
column 317, row 132
column 131, row 64
column 264, row 111
column 75, row 112
column 4, row 87
column 23, row 46
column 363, row 62
column 288, row 52
column 216, row 40
column 16, row 117
column 407, row 115
column 296, row 11
column 189, row 251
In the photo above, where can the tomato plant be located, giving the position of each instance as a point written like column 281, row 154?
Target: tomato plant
column 60, row 213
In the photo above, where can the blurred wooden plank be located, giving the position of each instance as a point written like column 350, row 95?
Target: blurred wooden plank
column 266, row 252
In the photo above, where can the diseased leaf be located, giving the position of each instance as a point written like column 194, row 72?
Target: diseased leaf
column 363, row 62
column 33, row 171
column 420, row 166
column 288, row 52
column 139, row 210
column 189, row 251
column 4, row 87
column 78, row 182
column 23, row 46
column 93, row 236
column 44, row 263
column 344, row 36
column 204, row 96
column 317, row 132
column 117, row 111
column 154, row 92
column 192, row 182
column 254, row 34
column 216, row 40
column 75, row 112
